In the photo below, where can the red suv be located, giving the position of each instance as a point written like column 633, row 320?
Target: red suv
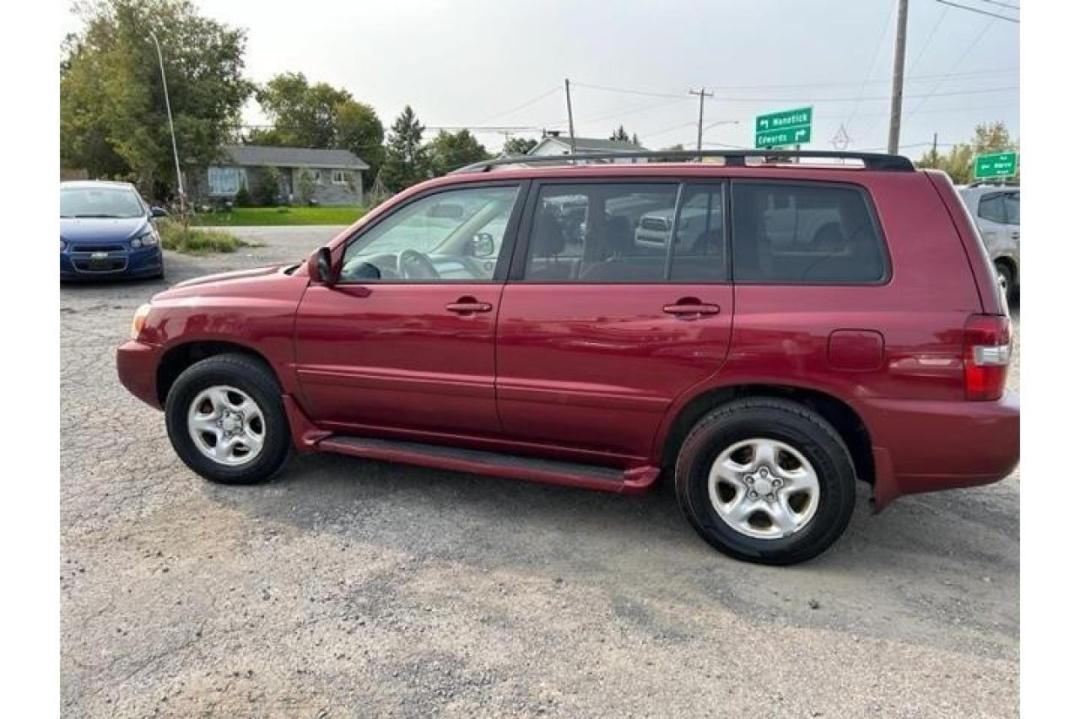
column 763, row 332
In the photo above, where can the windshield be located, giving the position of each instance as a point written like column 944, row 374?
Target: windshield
column 118, row 202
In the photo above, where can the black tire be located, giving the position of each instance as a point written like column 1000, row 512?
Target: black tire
column 258, row 381
column 803, row 430
column 1007, row 279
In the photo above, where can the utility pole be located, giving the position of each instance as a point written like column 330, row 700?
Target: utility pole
column 898, row 77
column 700, row 115
column 172, row 132
column 570, row 118
column 933, row 152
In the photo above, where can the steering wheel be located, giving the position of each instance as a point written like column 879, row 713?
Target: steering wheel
column 414, row 265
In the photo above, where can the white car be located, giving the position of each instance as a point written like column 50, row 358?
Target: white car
column 996, row 211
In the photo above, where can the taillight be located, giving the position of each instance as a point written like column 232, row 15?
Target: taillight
column 987, row 348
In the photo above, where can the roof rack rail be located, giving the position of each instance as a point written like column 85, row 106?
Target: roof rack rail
column 995, row 183
column 732, row 158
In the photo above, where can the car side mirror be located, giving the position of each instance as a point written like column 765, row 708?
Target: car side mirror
column 482, row 245
column 321, row 266
column 158, row 212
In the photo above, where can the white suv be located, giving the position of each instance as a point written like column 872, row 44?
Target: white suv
column 996, row 211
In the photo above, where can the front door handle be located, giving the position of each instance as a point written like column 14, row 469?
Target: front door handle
column 689, row 309
column 1015, row 235
column 468, row 306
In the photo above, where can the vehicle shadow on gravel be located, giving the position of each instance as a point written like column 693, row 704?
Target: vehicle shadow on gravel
column 491, row 521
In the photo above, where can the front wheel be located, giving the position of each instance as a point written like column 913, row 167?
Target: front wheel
column 226, row 420
column 766, row 480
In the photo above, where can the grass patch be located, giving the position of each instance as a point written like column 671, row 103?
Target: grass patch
column 254, row 216
column 195, row 241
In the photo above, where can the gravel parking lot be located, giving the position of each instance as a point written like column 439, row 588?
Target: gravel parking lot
column 349, row 588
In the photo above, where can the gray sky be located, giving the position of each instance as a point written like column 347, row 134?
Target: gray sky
column 483, row 62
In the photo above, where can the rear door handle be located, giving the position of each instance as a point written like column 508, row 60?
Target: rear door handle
column 468, row 306
column 1015, row 235
column 687, row 310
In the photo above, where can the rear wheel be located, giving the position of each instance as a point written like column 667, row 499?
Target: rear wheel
column 226, row 420
column 766, row 480
column 1006, row 279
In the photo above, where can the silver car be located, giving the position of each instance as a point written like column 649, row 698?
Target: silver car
column 996, row 211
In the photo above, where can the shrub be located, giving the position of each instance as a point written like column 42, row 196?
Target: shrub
column 243, row 197
column 305, row 186
column 266, row 187
column 196, row 241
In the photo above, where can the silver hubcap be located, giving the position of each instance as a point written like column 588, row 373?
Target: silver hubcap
column 226, row 425
column 764, row 488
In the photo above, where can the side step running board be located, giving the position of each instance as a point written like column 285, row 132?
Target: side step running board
column 570, row 474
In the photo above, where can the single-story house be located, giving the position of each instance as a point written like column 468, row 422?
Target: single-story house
column 555, row 145
column 326, row 177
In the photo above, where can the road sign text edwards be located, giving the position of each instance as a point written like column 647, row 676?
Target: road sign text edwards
column 998, row 164
column 790, row 127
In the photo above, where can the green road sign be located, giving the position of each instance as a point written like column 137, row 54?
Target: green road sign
column 999, row 164
column 790, row 127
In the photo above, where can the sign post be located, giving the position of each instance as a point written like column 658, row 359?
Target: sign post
column 781, row 129
column 998, row 164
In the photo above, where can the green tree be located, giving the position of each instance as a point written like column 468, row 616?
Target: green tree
column 515, row 146
column 358, row 129
column 620, row 134
column 406, row 161
column 319, row 115
column 112, row 106
column 959, row 161
column 451, row 150
column 302, row 114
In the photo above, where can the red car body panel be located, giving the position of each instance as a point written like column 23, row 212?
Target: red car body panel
column 599, row 373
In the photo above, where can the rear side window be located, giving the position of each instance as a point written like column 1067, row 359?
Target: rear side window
column 600, row 233
column 789, row 233
column 700, row 252
column 992, row 207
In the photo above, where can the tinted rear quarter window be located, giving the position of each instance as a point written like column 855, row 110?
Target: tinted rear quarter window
column 813, row 233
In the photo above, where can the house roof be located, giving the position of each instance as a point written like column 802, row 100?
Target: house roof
column 268, row 156
column 591, row 144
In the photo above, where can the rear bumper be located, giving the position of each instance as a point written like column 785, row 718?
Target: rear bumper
column 924, row 446
column 136, row 365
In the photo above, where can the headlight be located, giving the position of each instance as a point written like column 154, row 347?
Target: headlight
column 146, row 239
column 63, row 245
column 139, row 321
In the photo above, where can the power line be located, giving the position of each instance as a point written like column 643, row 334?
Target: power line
column 981, row 12
column 1001, row 4
column 873, row 64
column 955, row 65
column 929, row 37
column 628, row 91
column 913, row 78
column 525, row 104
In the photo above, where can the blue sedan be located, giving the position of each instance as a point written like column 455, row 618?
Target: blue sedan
column 106, row 231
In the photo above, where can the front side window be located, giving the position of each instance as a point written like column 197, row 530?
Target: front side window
column 447, row 236
column 600, row 232
column 992, row 207
column 789, row 233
